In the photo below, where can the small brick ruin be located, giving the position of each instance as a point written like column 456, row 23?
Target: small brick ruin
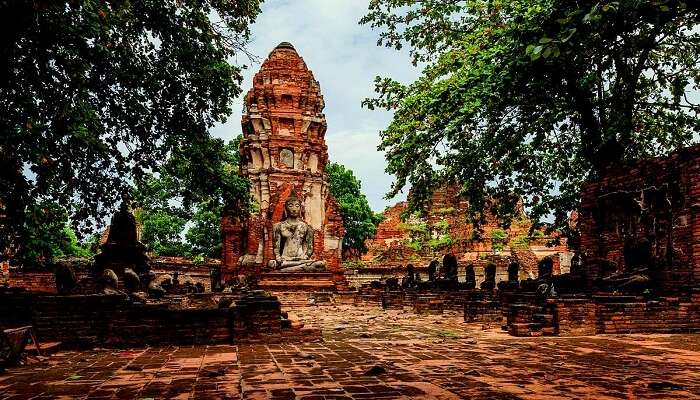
column 444, row 228
column 283, row 153
column 658, row 199
column 45, row 281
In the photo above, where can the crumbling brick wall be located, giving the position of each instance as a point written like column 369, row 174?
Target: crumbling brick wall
column 655, row 198
column 446, row 217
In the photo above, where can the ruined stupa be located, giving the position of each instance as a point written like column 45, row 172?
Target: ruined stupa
column 284, row 155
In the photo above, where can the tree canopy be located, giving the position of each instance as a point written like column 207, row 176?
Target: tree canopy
column 96, row 94
column 527, row 99
column 173, row 225
column 358, row 218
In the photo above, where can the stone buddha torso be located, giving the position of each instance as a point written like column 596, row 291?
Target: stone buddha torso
column 293, row 243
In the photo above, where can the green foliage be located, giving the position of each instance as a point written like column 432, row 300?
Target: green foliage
column 414, row 229
column 49, row 236
column 416, row 245
column 499, row 235
column 95, row 94
column 358, row 218
column 204, row 236
column 442, row 226
column 175, row 224
column 444, row 211
column 499, row 238
column 441, row 242
column 527, row 99
column 353, row 264
column 162, row 232
column 520, row 242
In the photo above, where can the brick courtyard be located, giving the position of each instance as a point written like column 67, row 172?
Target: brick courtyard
column 433, row 356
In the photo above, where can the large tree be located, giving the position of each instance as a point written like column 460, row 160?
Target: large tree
column 527, row 99
column 96, row 93
column 358, row 218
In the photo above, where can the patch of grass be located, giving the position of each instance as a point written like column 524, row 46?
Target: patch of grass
column 447, row 334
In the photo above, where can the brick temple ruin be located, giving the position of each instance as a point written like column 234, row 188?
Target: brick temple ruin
column 658, row 199
column 443, row 228
column 284, row 155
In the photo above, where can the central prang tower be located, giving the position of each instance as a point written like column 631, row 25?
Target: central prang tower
column 283, row 154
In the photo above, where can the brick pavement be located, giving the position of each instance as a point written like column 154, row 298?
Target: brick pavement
column 427, row 356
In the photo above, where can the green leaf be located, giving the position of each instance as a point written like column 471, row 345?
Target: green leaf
column 570, row 33
column 547, row 52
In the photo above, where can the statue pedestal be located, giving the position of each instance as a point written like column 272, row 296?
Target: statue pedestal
column 297, row 282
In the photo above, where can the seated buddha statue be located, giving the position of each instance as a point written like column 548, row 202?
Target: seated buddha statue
column 293, row 242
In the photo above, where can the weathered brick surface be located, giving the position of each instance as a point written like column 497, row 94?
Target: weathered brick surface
column 34, row 281
column 668, row 191
column 283, row 152
column 576, row 317
column 602, row 314
column 663, row 315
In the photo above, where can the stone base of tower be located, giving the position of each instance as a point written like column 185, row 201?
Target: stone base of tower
column 297, row 282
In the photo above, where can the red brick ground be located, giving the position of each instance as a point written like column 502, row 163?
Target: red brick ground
column 427, row 356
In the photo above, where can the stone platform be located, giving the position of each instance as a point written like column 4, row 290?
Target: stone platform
column 297, row 282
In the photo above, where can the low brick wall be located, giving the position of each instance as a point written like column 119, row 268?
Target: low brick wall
column 476, row 304
column 576, row 317
column 663, row 315
column 41, row 282
column 45, row 282
column 604, row 314
column 114, row 320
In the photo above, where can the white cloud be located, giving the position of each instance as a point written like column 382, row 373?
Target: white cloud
column 344, row 59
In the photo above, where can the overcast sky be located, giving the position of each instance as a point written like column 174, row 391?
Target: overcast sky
column 344, row 58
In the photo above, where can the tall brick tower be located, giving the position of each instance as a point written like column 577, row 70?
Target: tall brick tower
column 283, row 152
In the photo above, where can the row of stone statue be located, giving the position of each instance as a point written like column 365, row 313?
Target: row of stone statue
column 640, row 274
column 446, row 276
column 154, row 286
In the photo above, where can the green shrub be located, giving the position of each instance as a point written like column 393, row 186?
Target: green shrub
column 442, row 226
column 441, row 242
column 444, row 211
column 415, row 245
column 353, row 264
column 520, row 242
column 413, row 229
